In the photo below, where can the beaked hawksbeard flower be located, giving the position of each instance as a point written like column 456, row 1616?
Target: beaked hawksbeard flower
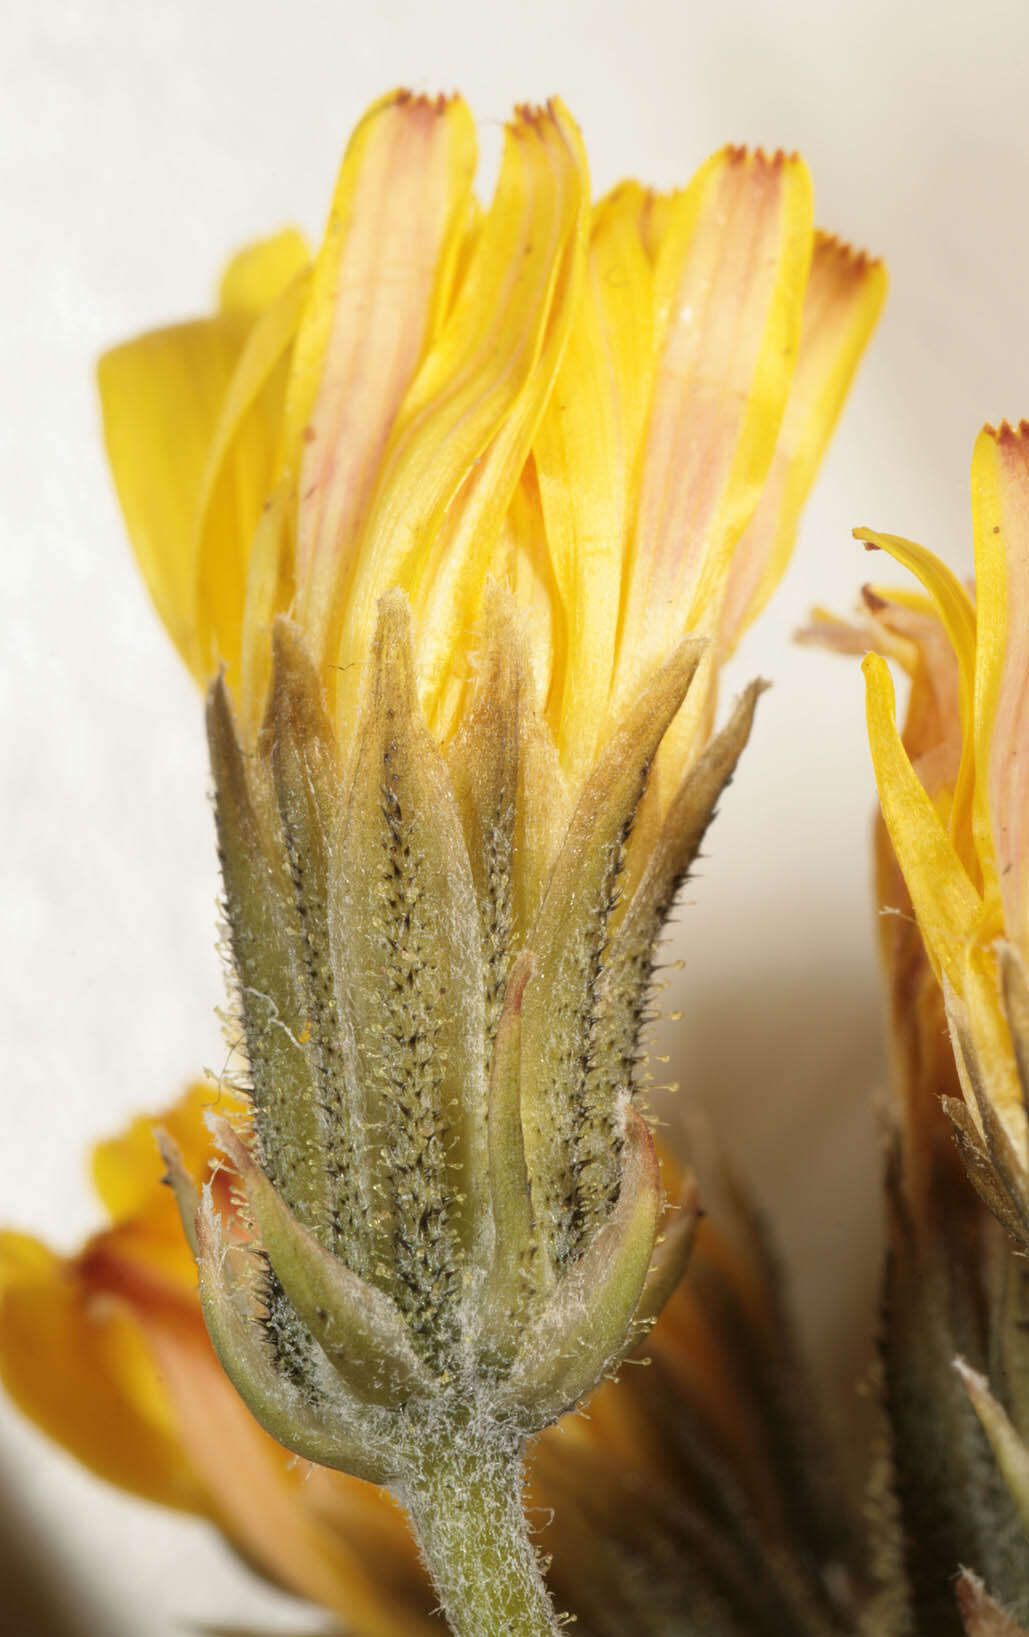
column 953, row 1287
column 961, row 842
column 463, row 515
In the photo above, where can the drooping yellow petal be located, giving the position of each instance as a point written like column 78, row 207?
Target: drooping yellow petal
column 1000, row 515
column 381, row 283
column 842, row 302
column 956, row 611
column 74, row 1361
column 239, row 475
column 729, row 278
column 258, row 274
column 946, row 903
column 585, row 451
column 161, row 398
column 466, row 427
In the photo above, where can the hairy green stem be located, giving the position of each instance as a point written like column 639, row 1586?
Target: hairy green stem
column 465, row 1506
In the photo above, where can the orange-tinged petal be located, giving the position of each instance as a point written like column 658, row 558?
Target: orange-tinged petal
column 382, row 278
column 465, row 430
column 844, row 296
column 729, row 277
column 945, row 901
column 1000, row 515
column 73, row 1359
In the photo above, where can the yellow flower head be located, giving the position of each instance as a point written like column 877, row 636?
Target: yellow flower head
column 614, row 410
column 465, row 515
column 958, row 818
column 952, row 1297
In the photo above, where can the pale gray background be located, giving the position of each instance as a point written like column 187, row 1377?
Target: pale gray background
column 140, row 142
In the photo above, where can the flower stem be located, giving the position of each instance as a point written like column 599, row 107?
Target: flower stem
column 465, row 1506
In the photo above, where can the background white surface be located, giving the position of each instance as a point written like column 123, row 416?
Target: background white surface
column 140, row 143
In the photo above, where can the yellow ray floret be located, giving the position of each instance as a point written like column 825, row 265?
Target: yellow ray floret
column 616, row 410
column 1000, row 516
column 963, row 852
column 167, row 398
column 842, row 301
